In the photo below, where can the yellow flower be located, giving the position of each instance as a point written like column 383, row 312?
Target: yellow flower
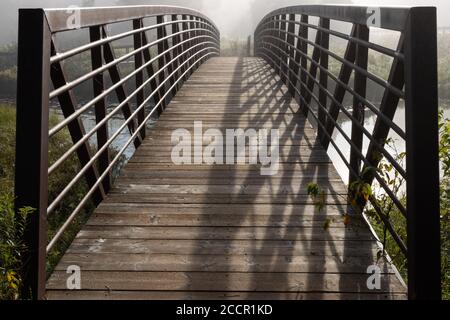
column 10, row 276
column 12, row 279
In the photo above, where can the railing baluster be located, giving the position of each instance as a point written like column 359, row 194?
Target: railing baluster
column 100, row 106
column 175, row 41
column 358, row 108
column 388, row 106
column 192, row 42
column 167, row 57
column 283, row 36
column 68, row 104
column 139, row 80
column 114, row 73
column 161, row 60
column 186, row 36
column 323, row 77
column 313, row 69
column 303, row 46
column 150, row 72
column 291, row 55
column 339, row 91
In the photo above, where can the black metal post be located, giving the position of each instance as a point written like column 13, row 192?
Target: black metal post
column 303, row 32
column 31, row 179
column 138, row 61
column 360, row 83
column 422, row 163
column 100, row 106
column 323, row 77
column 160, row 33
column 291, row 53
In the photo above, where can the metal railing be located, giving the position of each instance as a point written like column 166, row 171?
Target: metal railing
column 182, row 39
column 282, row 39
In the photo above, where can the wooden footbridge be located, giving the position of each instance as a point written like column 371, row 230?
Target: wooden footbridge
column 223, row 230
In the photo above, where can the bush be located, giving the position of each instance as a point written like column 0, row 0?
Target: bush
column 12, row 227
column 7, row 148
column 444, row 155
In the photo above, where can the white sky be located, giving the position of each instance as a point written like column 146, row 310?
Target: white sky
column 235, row 18
column 231, row 15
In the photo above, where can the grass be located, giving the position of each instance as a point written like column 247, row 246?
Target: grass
column 57, row 181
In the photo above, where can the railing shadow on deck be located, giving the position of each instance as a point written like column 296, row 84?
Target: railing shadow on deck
column 285, row 208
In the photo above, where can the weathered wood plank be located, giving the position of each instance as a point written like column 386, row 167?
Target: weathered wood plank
column 219, row 263
column 233, row 209
column 224, row 233
column 338, row 248
column 213, row 295
column 223, row 199
column 234, row 189
column 211, row 220
column 216, row 281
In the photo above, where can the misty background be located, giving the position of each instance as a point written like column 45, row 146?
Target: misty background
column 236, row 19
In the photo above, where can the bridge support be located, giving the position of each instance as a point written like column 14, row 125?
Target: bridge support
column 31, row 180
column 422, row 162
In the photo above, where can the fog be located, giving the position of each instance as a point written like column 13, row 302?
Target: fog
column 235, row 18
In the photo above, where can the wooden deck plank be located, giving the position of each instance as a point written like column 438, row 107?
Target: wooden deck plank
column 216, row 263
column 337, row 248
column 213, row 295
column 217, row 281
column 168, row 231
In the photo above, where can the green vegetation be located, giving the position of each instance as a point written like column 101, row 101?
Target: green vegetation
column 12, row 223
column 12, row 226
column 444, row 154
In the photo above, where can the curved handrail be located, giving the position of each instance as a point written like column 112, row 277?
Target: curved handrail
column 393, row 18
column 57, row 17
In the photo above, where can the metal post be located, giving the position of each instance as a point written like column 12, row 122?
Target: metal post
column 282, row 36
column 161, row 62
column 360, row 82
column 291, row 54
column 31, row 179
column 303, row 32
column 422, row 162
column 138, row 61
column 323, row 77
column 100, row 106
